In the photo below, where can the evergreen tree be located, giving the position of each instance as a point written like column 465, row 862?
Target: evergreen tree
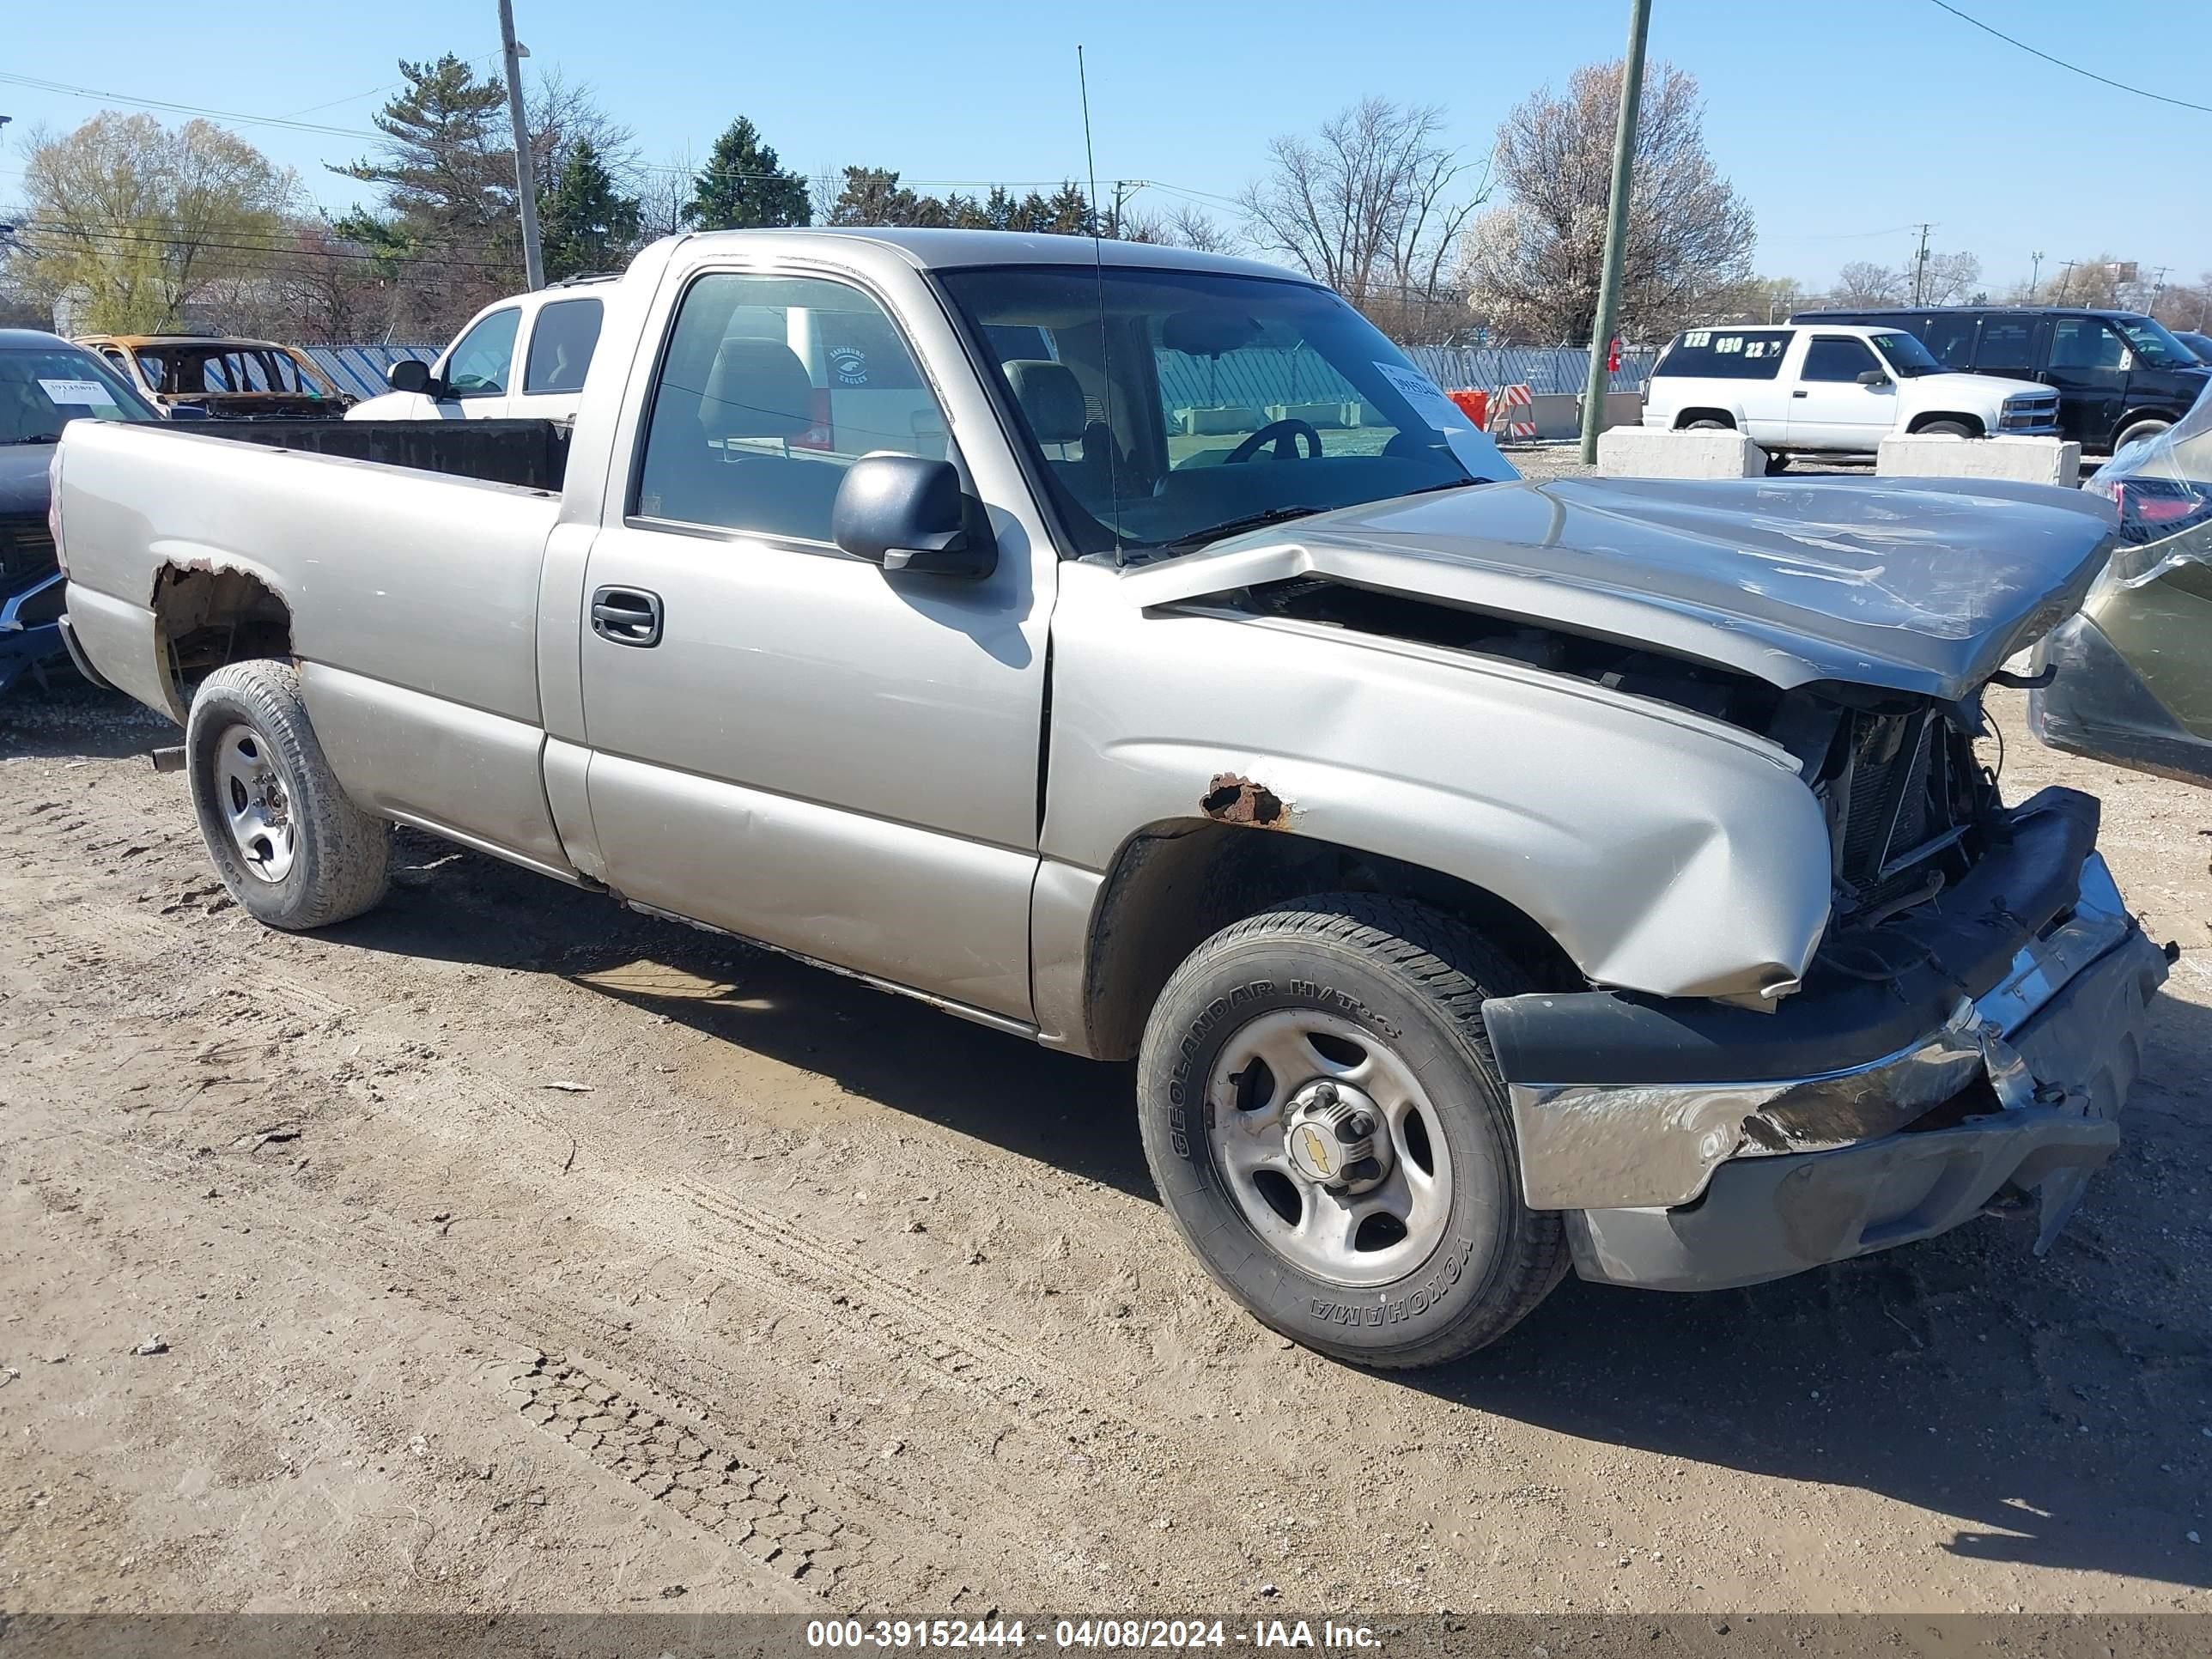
column 743, row 187
column 1068, row 212
column 448, row 220
column 584, row 223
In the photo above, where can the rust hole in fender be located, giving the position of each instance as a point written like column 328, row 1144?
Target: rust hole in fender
column 1230, row 798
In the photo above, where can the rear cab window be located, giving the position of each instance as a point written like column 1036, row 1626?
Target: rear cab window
column 1726, row 354
column 562, row 342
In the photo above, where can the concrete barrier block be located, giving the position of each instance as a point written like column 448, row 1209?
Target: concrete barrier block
column 2023, row 460
column 1635, row 452
column 1621, row 409
column 1557, row 414
column 1204, row 423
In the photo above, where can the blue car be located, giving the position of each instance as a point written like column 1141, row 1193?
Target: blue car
column 44, row 383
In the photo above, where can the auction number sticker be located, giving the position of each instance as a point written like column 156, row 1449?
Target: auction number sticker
column 1419, row 390
column 78, row 392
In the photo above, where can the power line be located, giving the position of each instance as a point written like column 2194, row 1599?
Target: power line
column 186, row 109
column 2075, row 69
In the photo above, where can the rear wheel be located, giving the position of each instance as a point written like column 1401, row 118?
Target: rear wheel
column 1326, row 1126
column 1705, row 425
column 292, row 849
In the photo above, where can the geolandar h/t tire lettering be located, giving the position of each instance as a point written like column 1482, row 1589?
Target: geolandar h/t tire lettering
column 1325, row 1122
column 292, row 849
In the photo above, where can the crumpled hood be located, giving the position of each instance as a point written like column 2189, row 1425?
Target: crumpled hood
column 1923, row 585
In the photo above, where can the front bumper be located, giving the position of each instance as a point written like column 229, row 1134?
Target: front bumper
column 1988, row 1053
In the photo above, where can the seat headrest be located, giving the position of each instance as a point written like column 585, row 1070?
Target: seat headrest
column 756, row 389
column 1050, row 396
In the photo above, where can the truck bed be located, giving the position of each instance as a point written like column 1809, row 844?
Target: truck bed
column 530, row 455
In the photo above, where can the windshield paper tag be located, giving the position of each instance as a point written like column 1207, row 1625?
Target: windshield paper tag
column 78, row 392
column 1431, row 405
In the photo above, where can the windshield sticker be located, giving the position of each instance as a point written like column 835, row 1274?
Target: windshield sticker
column 1728, row 342
column 1419, row 390
column 850, row 364
column 1697, row 337
column 78, row 392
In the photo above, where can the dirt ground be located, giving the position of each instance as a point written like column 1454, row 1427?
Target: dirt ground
column 505, row 1250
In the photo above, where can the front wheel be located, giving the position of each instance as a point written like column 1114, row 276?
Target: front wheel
column 1327, row 1127
column 1945, row 429
column 294, row 851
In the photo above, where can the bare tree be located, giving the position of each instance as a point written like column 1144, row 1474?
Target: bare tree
column 1950, row 279
column 1534, row 264
column 1186, row 227
column 1863, row 283
column 1372, row 204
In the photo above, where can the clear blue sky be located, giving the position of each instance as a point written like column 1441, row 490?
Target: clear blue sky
column 1841, row 124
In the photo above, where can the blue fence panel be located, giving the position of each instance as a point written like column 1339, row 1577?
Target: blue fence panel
column 360, row 369
column 1542, row 369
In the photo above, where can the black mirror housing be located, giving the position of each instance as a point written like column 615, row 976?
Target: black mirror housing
column 906, row 513
column 410, row 374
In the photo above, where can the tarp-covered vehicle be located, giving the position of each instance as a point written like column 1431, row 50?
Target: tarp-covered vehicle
column 2132, row 674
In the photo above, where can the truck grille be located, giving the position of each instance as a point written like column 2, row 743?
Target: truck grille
column 26, row 551
column 1901, row 806
column 2030, row 414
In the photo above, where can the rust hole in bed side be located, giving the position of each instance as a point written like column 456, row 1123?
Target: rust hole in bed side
column 1230, row 798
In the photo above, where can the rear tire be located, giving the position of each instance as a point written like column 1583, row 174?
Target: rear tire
column 1427, row 1255
column 292, row 849
column 1707, row 425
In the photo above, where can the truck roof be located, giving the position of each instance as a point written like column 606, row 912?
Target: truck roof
column 929, row 249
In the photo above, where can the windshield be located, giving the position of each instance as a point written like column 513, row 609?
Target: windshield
column 1171, row 407
column 42, row 390
column 2153, row 345
column 1906, row 356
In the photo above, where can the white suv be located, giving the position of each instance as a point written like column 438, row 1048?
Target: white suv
column 1830, row 389
column 523, row 358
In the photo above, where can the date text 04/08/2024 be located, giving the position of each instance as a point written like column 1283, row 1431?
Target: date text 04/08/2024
column 1105, row 1634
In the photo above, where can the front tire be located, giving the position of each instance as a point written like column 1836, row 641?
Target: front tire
column 1271, row 1048
column 1945, row 429
column 292, row 849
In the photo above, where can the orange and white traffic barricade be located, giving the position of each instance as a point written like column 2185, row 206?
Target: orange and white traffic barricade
column 1512, row 412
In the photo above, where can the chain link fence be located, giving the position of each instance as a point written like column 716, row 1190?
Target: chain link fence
column 1543, row 370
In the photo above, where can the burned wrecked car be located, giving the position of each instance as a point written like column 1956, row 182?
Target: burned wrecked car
column 1129, row 648
column 2131, row 676
column 223, row 378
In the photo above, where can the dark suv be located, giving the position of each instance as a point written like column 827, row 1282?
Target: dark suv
column 2119, row 375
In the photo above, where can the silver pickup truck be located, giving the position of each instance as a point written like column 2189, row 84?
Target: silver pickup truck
column 1129, row 648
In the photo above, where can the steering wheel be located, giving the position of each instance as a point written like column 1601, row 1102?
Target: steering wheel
column 1283, row 435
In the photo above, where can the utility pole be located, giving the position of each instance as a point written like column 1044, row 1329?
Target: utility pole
column 1616, row 229
column 2157, row 288
column 1920, row 267
column 1123, row 190
column 525, row 169
column 2066, row 278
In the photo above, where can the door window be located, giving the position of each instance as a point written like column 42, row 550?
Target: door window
column 560, row 346
column 2008, row 347
column 771, row 388
column 479, row 364
column 1837, row 357
column 2086, row 342
column 1950, row 341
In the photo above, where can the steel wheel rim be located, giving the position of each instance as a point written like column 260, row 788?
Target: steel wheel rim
column 255, row 803
column 1332, row 1235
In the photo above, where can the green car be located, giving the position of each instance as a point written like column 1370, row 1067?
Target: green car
column 2133, row 679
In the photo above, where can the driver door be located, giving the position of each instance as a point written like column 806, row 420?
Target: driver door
column 789, row 742
column 1829, row 408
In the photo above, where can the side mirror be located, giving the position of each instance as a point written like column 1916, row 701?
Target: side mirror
column 188, row 412
column 1873, row 377
column 410, row 374
column 905, row 513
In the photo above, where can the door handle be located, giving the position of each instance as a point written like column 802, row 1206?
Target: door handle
column 1798, row 394
column 626, row 615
